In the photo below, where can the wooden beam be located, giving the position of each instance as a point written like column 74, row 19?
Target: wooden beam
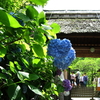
column 52, row 15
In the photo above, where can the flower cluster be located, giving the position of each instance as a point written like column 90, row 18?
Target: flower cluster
column 59, row 48
column 67, row 85
column 62, row 52
column 63, row 63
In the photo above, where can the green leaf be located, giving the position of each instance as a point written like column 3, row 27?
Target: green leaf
column 55, row 28
column 36, row 61
column 13, row 91
column 26, row 63
column 25, row 46
column 38, row 50
column 33, row 77
column 46, row 27
column 23, row 75
column 39, row 2
column 3, row 76
column 2, row 51
column 35, row 90
column 8, row 20
column 26, row 76
column 60, row 88
column 47, row 85
column 40, row 38
column 17, row 65
column 12, row 67
column 31, row 12
column 41, row 18
column 3, row 70
column 27, row 36
column 23, row 16
column 56, row 93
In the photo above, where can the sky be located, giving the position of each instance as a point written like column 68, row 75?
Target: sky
column 72, row 5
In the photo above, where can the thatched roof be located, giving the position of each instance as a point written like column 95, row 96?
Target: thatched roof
column 75, row 21
column 77, row 25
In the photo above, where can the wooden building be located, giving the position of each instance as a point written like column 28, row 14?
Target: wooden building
column 81, row 28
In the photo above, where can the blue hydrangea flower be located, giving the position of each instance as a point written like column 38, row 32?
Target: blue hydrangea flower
column 63, row 63
column 67, row 85
column 59, row 48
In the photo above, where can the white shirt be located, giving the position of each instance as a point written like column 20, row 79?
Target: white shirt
column 62, row 76
column 78, row 73
column 73, row 76
column 81, row 79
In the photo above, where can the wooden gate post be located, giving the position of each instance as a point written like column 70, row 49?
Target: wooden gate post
column 92, row 94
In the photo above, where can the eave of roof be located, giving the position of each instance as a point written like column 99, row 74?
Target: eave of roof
column 77, row 25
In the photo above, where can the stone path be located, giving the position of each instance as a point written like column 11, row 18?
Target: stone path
column 85, row 98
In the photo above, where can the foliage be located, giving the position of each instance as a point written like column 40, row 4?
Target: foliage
column 26, row 69
column 15, row 5
column 87, row 65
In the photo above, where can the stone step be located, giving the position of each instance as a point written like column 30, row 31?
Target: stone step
column 83, row 92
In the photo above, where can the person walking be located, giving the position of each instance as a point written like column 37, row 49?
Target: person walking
column 81, row 81
column 85, row 79
column 72, row 79
column 78, row 74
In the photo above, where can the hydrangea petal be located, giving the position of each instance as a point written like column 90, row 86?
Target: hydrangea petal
column 63, row 63
column 67, row 85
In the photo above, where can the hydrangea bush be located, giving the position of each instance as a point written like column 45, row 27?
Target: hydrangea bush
column 63, row 54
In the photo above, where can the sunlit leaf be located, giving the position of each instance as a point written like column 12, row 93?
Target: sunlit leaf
column 8, row 20
column 51, row 35
column 2, row 51
column 40, row 38
column 17, row 65
column 46, row 27
column 45, row 50
column 55, row 27
column 13, row 91
column 35, row 90
column 25, row 62
column 38, row 50
column 31, row 12
column 55, row 92
column 27, row 76
column 41, row 18
column 12, row 67
column 39, row 2
column 36, row 61
column 3, row 69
